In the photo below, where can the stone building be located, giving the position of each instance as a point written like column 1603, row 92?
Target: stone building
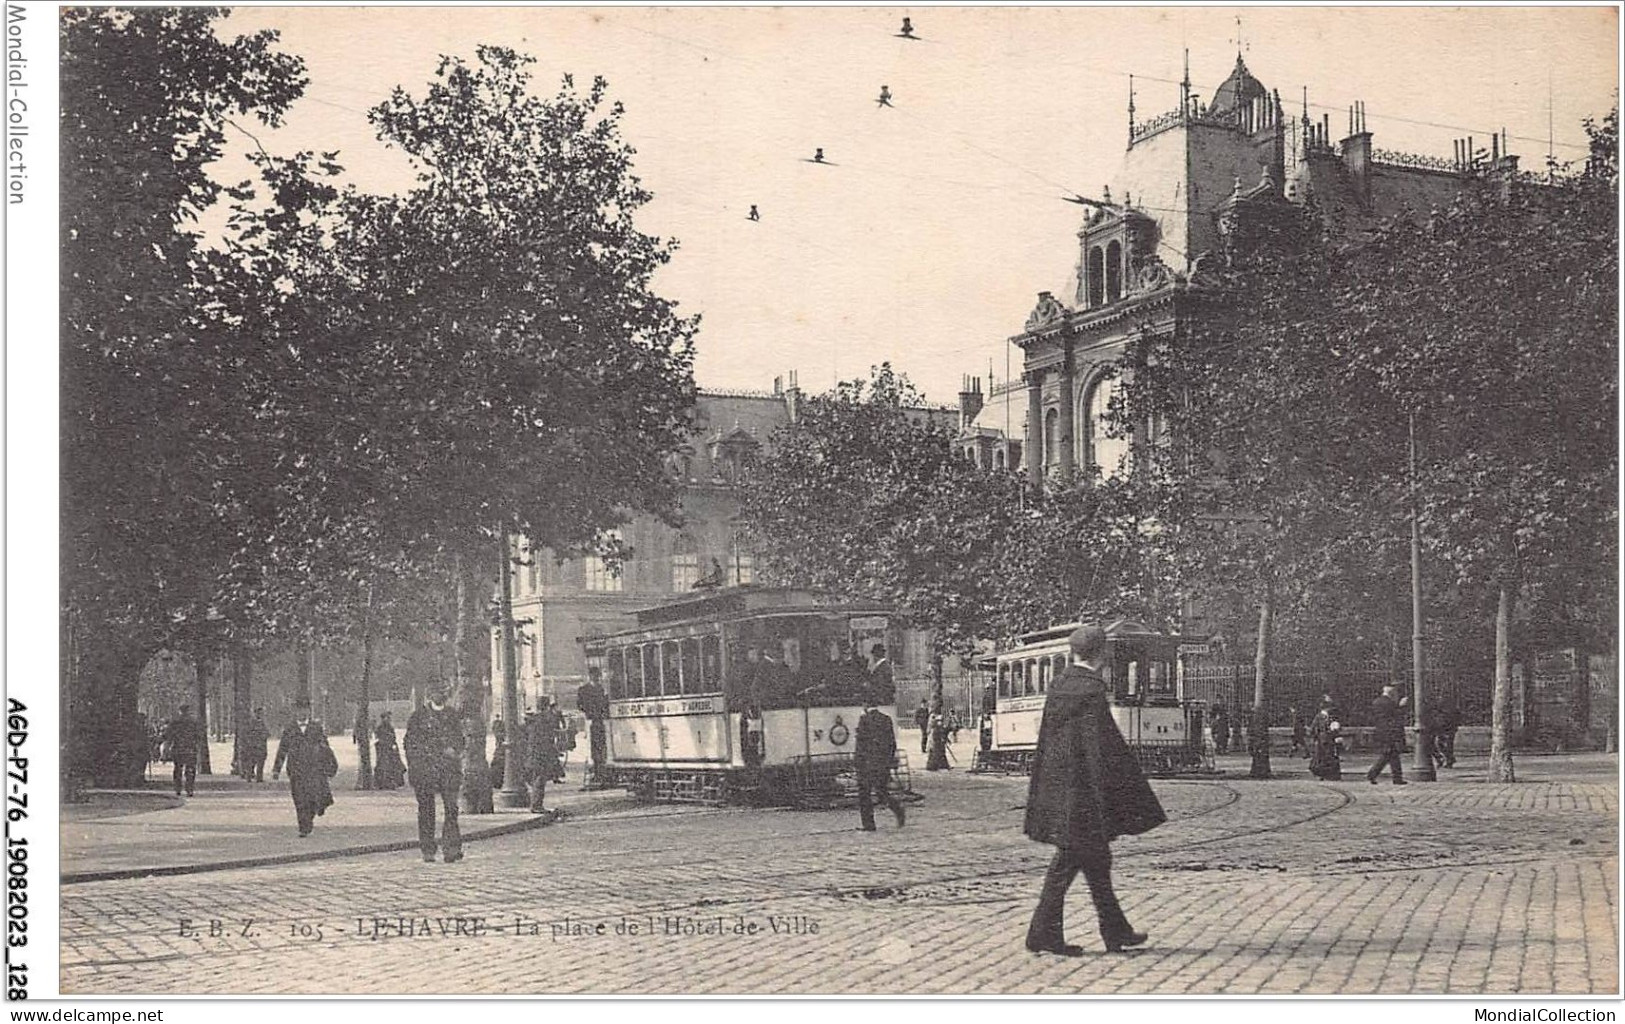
column 1195, row 181
column 557, row 602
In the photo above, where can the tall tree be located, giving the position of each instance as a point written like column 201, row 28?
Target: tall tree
column 148, row 96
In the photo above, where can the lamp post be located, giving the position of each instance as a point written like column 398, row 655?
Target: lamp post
column 1423, row 767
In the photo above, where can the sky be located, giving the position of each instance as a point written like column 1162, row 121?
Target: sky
column 937, row 221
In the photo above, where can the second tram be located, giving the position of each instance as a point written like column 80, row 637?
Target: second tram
column 1161, row 727
column 743, row 694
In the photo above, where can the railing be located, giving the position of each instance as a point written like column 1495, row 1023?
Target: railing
column 1415, row 161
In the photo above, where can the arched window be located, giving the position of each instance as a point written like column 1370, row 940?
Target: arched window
column 1105, row 452
column 1097, row 277
column 1114, row 272
column 998, row 458
column 1052, row 438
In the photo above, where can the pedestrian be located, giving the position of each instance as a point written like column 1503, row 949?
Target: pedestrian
column 922, row 722
column 875, row 752
column 1258, row 742
column 1449, row 722
column 1238, row 725
column 564, row 739
column 593, row 702
column 388, row 771
column 882, row 685
column 499, row 754
column 255, row 744
column 984, row 732
column 1086, row 789
column 939, row 739
column 1388, row 715
column 1299, row 735
column 1325, row 742
column 1221, row 729
column 434, row 763
column 303, row 748
column 954, row 725
column 541, row 740
column 183, row 739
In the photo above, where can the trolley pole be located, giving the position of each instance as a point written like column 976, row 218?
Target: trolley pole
column 513, row 786
column 1423, row 766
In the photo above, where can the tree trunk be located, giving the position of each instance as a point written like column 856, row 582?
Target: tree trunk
column 205, row 669
column 363, row 714
column 476, row 772
column 242, row 677
column 1501, row 713
column 1258, row 736
column 517, row 757
column 938, row 758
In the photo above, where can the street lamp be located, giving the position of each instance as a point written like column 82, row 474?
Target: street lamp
column 1423, row 767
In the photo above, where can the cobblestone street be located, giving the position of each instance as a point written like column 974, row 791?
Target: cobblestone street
column 1290, row 886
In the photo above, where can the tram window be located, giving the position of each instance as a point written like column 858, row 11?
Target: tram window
column 693, row 682
column 669, row 668
column 1043, row 676
column 711, row 662
column 634, row 672
column 1133, row 678
column 615, row 665
column 1004, row 680
column 651, row 670
column 1029, row 678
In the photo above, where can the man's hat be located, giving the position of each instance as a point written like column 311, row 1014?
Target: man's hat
column 1087, row 640
column 878, row 649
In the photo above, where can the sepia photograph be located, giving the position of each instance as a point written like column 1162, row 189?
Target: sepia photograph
column 818, row 501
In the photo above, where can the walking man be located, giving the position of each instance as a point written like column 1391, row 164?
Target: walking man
column 183, row 738
column 875, row 753
column 303, row 748
column 922, row 721
column 1086, row 790
column 434, row 766
column 1389, row 734
column 256, row 738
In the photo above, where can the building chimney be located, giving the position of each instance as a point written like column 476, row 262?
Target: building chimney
column 970, row 400
column 792, row 398
column 1356, row 153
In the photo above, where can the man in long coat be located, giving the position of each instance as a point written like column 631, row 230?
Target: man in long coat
column 1086, row 790
column 874, row 752
column 184, row 738
column 542, row 744
column 303, row 748
column 434, row 766
column 1388, row 736
column 255, row 738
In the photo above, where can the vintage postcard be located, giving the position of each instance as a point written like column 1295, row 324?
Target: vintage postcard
column 632, row 501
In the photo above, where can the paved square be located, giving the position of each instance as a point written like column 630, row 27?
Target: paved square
column 1287, row 886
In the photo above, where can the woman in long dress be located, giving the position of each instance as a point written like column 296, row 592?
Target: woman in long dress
column 388, row 771
column 1325, row 759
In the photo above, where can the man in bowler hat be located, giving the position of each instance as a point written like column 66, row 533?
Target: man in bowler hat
column 184, row 739
column 1389, row 735
column 303, row 748
column 1086, row 789
column 874, row 751
column 434, row 766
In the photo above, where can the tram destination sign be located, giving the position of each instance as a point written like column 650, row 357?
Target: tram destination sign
column 666, row 706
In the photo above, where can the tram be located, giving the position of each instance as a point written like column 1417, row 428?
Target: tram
column 750, row 694
column 1147, row 703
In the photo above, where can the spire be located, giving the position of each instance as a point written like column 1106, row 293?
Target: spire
column 1306, row 104
column 1185, row 87
column 1131, row 107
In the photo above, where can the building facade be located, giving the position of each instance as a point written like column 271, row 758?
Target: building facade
column 556, row 602
column 1195, row 182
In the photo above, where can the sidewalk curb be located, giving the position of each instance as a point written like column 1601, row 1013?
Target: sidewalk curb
column 295, row 858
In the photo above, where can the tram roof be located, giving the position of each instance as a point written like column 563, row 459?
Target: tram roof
column 1115, row 630
column 744, row 601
